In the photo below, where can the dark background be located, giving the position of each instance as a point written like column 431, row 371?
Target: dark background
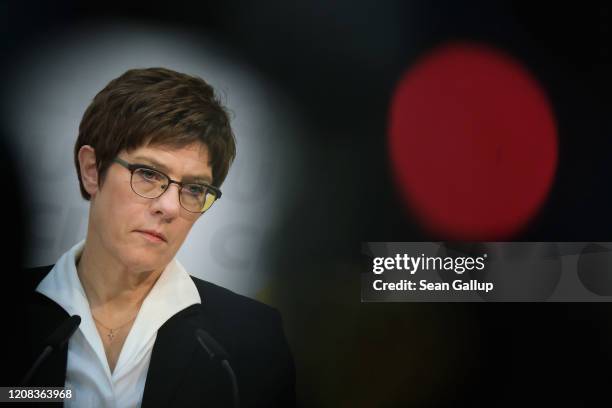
column 339, row 62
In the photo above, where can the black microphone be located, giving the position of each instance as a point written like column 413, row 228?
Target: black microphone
column 217, row 353
column 55, row 341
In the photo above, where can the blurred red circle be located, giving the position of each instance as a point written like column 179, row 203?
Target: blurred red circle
column 472, row 142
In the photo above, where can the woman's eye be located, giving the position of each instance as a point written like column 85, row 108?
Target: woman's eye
column 149, row 175
column 195, row 190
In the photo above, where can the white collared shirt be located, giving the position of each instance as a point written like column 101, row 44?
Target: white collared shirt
column 88, row 373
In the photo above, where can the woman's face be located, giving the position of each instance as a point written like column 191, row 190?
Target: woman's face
column 120, row 217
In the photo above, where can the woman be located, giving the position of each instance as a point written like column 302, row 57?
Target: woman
column 153, row 149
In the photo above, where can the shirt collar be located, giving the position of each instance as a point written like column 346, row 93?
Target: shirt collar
column 173, row 291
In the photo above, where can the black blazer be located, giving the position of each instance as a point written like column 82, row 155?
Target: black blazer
column 181, row 374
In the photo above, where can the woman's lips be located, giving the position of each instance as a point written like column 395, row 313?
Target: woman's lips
column 152, row 236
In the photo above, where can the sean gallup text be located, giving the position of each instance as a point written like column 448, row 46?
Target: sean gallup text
column 472, row 285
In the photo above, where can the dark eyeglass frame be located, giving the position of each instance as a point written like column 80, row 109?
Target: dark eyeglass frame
column 132, row 167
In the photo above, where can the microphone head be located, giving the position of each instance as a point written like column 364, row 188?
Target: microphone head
column 214, row 349
column 60, row 336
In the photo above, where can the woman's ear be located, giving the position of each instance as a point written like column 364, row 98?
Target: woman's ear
column 89, row 170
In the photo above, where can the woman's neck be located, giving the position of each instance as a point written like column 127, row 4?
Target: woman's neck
column 108, row 284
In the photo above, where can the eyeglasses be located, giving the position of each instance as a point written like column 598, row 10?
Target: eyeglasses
column 150, row 183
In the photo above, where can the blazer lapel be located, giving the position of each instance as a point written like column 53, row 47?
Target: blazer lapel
column 180, row 373
column 45, row 316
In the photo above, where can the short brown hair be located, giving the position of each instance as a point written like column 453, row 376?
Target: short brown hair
column 156, row 106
